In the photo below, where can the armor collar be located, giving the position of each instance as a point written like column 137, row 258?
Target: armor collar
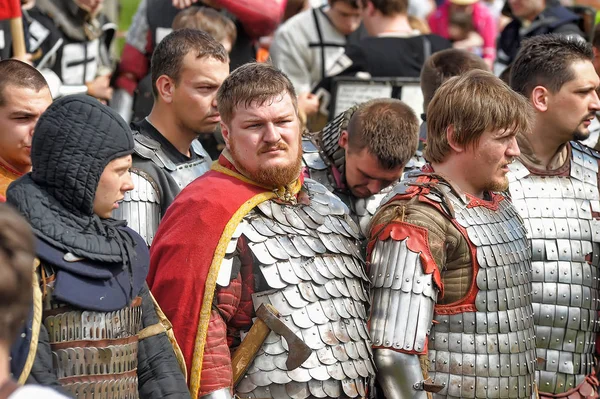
column 328, row 143
column 74, row 22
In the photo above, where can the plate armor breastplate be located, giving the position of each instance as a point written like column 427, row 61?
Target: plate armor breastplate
column 93, row 353
column 559, row 214
column 310, row 258
column 488, row 352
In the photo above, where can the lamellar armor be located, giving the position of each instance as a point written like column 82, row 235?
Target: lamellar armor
column 561, row 216
column 452, row 285
column 94, row 353
column 154, row 189
column 306, row 262
column 325, row 162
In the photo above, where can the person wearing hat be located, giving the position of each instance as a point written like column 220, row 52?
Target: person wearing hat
column 106, row 336
column 483, row 24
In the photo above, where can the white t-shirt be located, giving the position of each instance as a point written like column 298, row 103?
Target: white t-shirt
column 36, row 392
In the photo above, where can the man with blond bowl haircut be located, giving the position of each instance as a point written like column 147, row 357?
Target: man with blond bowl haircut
column 450, row 262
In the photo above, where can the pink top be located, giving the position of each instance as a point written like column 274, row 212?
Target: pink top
column 483, row 21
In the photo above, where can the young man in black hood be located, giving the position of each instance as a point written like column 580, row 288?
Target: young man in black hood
column 103, row 327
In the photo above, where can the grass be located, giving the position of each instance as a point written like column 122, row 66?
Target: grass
column 127, row 9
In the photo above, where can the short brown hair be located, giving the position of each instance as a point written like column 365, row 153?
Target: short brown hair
column 546, row 60
column 388, row 7
column 19, row 74
column 443, row 65
column 168, row 56
column 387, row 128
column 473, row 103
column 16, row 268
column 208, row 20
column 252, row 83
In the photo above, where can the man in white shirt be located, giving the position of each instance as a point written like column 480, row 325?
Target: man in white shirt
column 307, row 45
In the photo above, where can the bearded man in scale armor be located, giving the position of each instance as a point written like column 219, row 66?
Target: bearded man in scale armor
column 252, row 234
column 451, row 313
column 554, row 186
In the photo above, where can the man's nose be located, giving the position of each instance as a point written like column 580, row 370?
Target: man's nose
column 513, row 149
column 271, row 135
column 374, row 186
column 595, row 104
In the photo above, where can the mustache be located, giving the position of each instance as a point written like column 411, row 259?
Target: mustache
column 268, row 148
column 591, row 115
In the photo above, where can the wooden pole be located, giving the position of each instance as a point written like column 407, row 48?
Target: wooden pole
column 18, row 37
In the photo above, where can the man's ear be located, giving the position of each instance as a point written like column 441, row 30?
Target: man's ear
column 165, row 86
column 539, row 98
column 343, row 140
column 225, row 134
column 458, row 148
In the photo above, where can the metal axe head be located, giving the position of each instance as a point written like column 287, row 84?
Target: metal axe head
column 298, row 350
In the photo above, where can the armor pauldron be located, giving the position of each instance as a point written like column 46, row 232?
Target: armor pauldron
column 403, row 297
column 141, row 206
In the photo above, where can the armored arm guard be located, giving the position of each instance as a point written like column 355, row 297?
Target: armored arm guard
column 141, row 206
column 404, row 296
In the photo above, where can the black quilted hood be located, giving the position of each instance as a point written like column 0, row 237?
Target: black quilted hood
column 73, row 142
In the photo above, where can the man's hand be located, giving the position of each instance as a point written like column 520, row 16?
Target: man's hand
column 100, row 88
column 308, row 103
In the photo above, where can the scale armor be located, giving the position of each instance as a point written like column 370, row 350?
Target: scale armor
column 561, row 216
column 309, row 256
column 142, row 206
column 486, row 350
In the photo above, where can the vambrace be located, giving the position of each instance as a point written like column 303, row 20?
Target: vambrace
column 141, row 206
column 404, row 297
column 399, row 374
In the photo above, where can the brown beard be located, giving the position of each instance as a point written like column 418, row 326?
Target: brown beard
column 273, row 176
column 498, row 187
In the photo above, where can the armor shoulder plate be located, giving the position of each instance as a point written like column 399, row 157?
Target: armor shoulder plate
column 141, row 206
column 366, row 208
column 200, row 151
column 403, row 297
column 150, row 149
column 311, row 156
column 231, row 262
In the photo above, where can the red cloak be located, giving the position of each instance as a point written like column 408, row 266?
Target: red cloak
column 188, row 249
